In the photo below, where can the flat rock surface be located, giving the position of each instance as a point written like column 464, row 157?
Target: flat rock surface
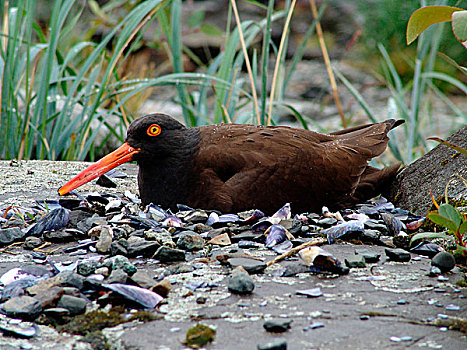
column 361, row 310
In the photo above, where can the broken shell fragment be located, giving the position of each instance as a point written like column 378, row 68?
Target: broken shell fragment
column 139, row 295
column 276, row 234
column 340, row 230
column 54, row 220
column 321, row 260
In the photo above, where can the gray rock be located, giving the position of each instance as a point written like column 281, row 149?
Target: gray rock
column 356, row 261
column 370, row 257
column 397, row 255
column 143, row 279
column 246, row 236
column 327, row 221
column 376, row 225
column 278, row 325
column 434, row 271
column 105, row 238
column 119, row 248
column 168, row 254
column 196, row 216
column 293, row 268
column 241, row 283
column 179, row 268
column 142, row 248
column 60, row 236
column 10, row 235
column 77, row 216
column 71, row 279
column 444, row 261
column 117, row 276
column 24, row 307
column 75, row 305
column 276, row 344
column 250, row 265
column 32, row 242
column 190, row 240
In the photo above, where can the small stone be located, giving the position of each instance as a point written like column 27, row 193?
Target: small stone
column 10, row 235
column 190, row 240
column 370, row 257
column 105, row 234
column 71, row 279
column 60, row 236
column 275, row 344
column 201, row 300
column 434, row 271
column 162, row 288
column 75, row 305
column 105, row 181
column 49, row 297
column 444, row 260
column 278, row 325
column 364, row 317
column 195, row 216
column 250, row 265
column 248, row 244
column 222, row 240
column 120, row 262
column 356, row 261
column 401, row 302
column 142, row 279
column 32, row 242
column 57, row 312
column 87, row 267
column 23, row 307
column 241, row 283
column 168, row 254
column 142, row 248
column 117, row 276
column 246, row 236
column 443, row 278
column 442, row 316
column 104, row 271
column 119, row 248
column 294, row 268
column 397, row 255
column 179, row 268
column 329, row 221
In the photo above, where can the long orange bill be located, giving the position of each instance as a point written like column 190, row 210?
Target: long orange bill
column 121, row 155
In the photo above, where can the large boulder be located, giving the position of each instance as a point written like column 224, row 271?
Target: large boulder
column 431, row 173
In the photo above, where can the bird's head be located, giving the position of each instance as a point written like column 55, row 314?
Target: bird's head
column 148, row 137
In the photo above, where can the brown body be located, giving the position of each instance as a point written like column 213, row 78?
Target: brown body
column 232, row 167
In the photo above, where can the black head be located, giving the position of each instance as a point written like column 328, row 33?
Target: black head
column 156, row 135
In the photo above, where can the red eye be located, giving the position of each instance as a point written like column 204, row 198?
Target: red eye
column 154, row 130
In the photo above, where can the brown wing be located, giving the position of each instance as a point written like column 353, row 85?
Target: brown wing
column 263, row 167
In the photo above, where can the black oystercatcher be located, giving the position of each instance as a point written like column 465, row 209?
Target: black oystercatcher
column 233, row 168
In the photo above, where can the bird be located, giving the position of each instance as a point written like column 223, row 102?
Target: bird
column 237, row 167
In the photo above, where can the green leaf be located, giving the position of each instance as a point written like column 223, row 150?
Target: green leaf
column 459, row 26
column 212, row 30
column 427, row 16
column 448, row 211
column 195, row 19
column 429, row 235
column 442, row 221
column 463, row 228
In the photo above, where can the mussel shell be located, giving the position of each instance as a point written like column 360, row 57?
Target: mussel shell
column 275, row 234
column 283, row 213
column 139, row 295
column 394, row 224
column 340, row 230
column 54, row 220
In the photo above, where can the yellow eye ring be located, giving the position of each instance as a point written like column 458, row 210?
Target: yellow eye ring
column 154, row 130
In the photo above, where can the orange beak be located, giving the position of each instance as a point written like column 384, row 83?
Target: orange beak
column 121, row 155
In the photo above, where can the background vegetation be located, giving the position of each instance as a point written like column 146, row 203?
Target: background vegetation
column 70, row 77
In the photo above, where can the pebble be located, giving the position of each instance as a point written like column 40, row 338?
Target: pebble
column 75, row 305
column 397, row 255
column 370, row 257
column 105, row 234
column 275, row 344
column 444, row 261
column 120, row 262
column 23, row 307
column 168, row 254
column 250, row 265
column 32, row 242
column 10, row 235
column 221, row 240
column 162, row 288
column 357, row 261
column 316, row 325
column 190, row 240
column 278, row 325
column 142, row 279
column 87, row 267
column 117, row 276
column 241, row 283
column 313, row 292
column 142, row 248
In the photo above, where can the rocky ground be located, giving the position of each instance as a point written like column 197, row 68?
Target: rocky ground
column 379, row 305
